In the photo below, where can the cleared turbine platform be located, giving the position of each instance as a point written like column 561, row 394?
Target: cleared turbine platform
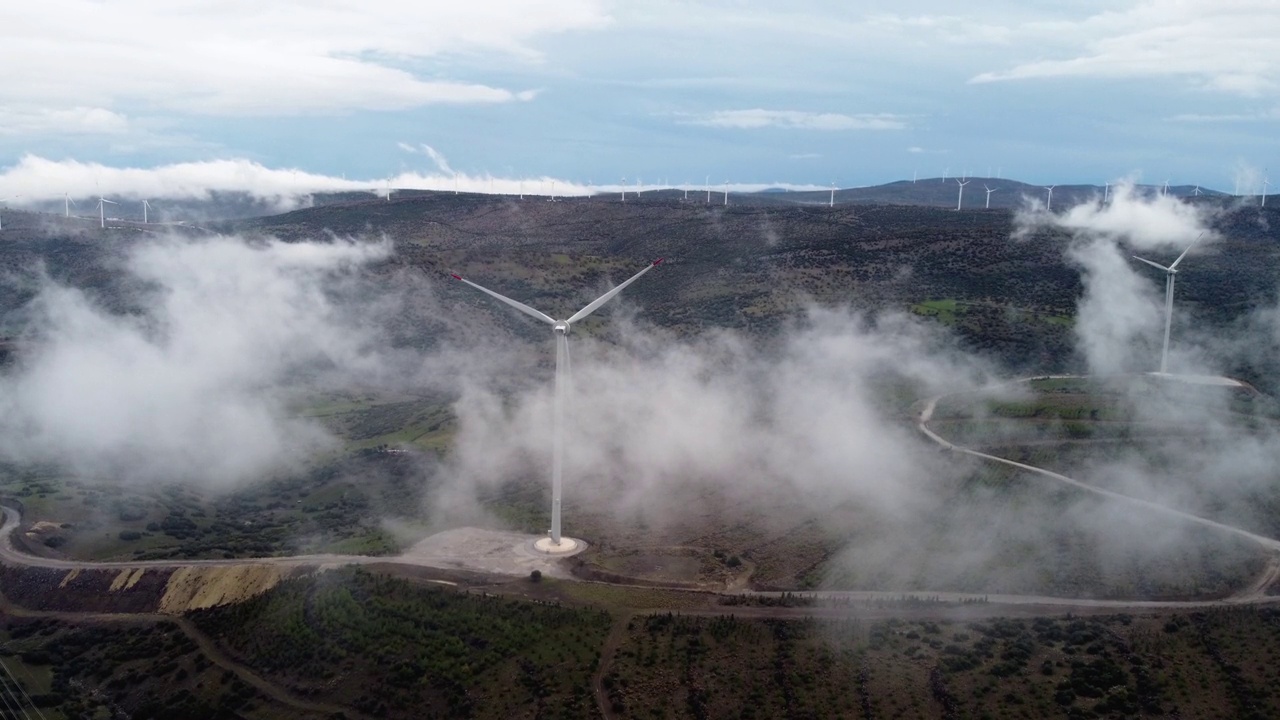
column 492, row 551
column 568, row 546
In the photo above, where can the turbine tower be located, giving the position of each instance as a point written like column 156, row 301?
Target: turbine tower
column 1170, row 273
column 102, row 211
column 726, row 193
column 1049, row 204
column 832, row 202
column 989, row 191
column 67, row 202
column 624, row 188
column 960, row 199
column 1266, row 183
column 561, row 329
column 1164, row 190
column 1106, row 193
column 145, row 207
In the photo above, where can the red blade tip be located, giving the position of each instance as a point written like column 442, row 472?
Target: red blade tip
column 456, row 276
column 658, row 261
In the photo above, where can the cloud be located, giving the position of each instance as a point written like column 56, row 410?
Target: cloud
column 1143, row 221
column 798, row 120
column 1258, row 116
column 192, row 382
column 285, row 58
column 1120, row 313
column 1231, row 47
column 657, row 415
column 915, row 149
column 68, row 121
column 39, row 179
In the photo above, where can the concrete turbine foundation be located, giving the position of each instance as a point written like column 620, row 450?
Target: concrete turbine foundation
column 567, row 546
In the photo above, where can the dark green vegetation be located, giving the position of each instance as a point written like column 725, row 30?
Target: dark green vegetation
column 144, row 669
column 390, row 648
column 339, row 506
column 365, row 645
column 1195, row 666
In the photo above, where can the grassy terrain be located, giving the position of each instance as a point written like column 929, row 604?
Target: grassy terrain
column 1198, row 665
column 390, row 648
column 74, row 671
column 383, row 647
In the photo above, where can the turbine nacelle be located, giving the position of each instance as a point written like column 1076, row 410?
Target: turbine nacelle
column 561, row 327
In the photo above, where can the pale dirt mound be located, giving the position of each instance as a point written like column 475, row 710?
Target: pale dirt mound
column 126, row 579
column 196, row 588
column 44, row 526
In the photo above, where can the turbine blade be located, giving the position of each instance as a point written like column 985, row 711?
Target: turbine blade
column 595, row 304
column 1184, row 252
column 1154, row 265
column 517, row 305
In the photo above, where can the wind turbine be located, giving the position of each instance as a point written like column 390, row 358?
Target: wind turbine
column 67, row 202
column 989, row 191
column 832, row 202
column 1170, row 273
column 102, row 210
column 726, row 193
column 960, row 199
column 561, row 329
column 624, row 188
column 1164, row 190
column 708, row 189
column 1196, row 191
column 944, row 173
column 1049, row 203
column 1266, row 183
column 145, row 207
column 1106, row 193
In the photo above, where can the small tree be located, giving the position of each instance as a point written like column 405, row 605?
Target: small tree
column 535, row 576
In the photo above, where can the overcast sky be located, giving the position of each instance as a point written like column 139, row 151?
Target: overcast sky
column 589, row 91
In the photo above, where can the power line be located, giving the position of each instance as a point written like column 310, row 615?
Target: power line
column 21, row 689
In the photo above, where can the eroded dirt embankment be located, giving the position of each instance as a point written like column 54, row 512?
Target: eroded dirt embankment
column 139, row 590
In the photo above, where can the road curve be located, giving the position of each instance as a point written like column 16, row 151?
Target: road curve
column 1254, row 593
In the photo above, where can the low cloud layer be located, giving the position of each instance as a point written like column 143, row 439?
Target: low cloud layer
column 194, row 386
column 35, row 179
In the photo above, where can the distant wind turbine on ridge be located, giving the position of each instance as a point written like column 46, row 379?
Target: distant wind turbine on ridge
column 102, row 211
column 989, row 191
column 67, row 202
column 145, row 207
column 561, row 329
column 1049, row 203
column 960, row 199
column 1170, row 273
column 1266, row 183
